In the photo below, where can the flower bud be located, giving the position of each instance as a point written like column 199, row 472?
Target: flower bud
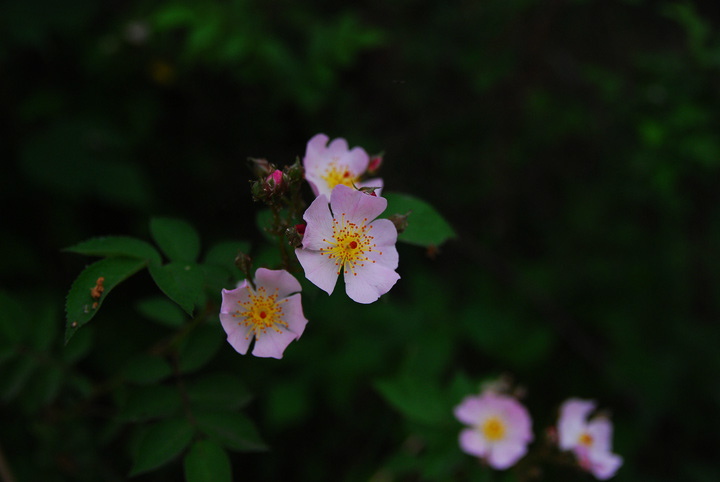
column 275, row 180
column 260, row 167
column 244, row 263
column 294, row 172
column 400, row 221
column 375, row 163
column 295, row 234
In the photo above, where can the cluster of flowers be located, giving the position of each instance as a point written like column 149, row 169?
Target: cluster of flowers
column 341, row 234
column 500, row 430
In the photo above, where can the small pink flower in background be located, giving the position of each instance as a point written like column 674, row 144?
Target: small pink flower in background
column 590, row 440
column 349, row 238
column 271, row 314
column 327, row 166
column 500, row 428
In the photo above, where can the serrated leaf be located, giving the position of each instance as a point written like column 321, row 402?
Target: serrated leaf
column 161, row 442
column 426, row 227
column 219, row 391
column 154, row 401
column 231, row 429
column 145, row 369
column 116, row 246
column 207, row 462
column 181, row 282
column 415, row 398
column 176, row 238
column 79, row 304
column 200, row 347
column 78, row 346
column 162, row 311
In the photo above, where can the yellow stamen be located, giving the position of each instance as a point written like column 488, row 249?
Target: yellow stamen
column 585, row 439
column 338, row 174
column 349, row 245
column 261, row 312
column 493, row 429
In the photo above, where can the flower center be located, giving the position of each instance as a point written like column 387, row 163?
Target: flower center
column 338, row 174
column 350, row 245
column 585, row 439
column 493, row 429
column 261, row 312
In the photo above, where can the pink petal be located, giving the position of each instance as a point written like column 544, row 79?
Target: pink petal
column 572, row 422
column 356, row 160
column 504, row 455
column 293, row 315
column 471, row 410
column 518, row 420
column 315, row 153
column 603, row 465
column 272, row 344
column 320, row 270
column 355, row 205
column 367, row 283
column 311, row 180
column 280, row 279
column 600, row 429
column 337, row 148
column 471, row 442
column 239, row 337
column 319, row 224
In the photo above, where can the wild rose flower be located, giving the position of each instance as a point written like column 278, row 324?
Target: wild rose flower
column 590, row 440
column 327, row 166
column 349, row 239
column 271, row 314
column 500, row 428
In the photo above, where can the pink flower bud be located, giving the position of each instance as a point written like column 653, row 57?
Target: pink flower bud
column 300, row 228
column 275, row 179
column 375, row 163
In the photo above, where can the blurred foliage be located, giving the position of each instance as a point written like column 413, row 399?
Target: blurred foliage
column 571, row 144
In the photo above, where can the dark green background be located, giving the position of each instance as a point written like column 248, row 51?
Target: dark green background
column 573, row 145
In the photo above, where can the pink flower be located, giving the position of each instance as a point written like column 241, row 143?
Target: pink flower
column 327, row 166
column 271, row 314
column 349, row 238
column 590, row 440
column 500, row 428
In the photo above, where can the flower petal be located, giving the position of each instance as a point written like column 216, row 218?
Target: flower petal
column 337, row 148
column 315, row 152
column 505, row 454
column 603, row 465
column 573, row 421
column 356, row 160
column 272, row 344
column 365, row 284
column 280, row 279
column 355, row 205
column 471, row 410
column 238, row 336
column 320, row 270
column 600, row 429
column 319, row 224
column 293, row 315
column 472, row 442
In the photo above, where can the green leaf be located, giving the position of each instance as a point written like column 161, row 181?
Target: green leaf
column 79, row 346
column 219, row 391
column 231, row 429
column 144, row 369
column 223, row 254
column 162, row 442
column 154, row 401
column 110, row 246
column 426, row 227
column 177, row 238
column 416, row 398
column 207, row 462
column 200, row 347
column 15, row 376
column 181, row 282
column 79, row 303
column 12, row 330
column 162, row 311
